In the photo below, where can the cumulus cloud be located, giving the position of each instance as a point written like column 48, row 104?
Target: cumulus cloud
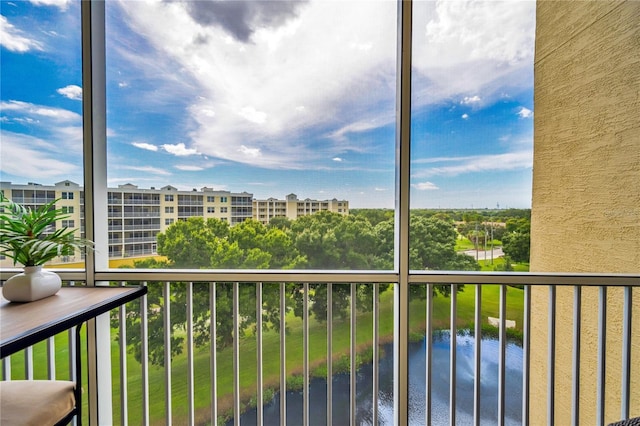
column 13, row 39
column 472, row 47
column 465, row 116
column 241, row 19
column 144, row 145
column 337, row 159
column 72, row 92
column 425, row 186
column 525, row 112
column 276, row 87
column 179, row 150
column 264, row 82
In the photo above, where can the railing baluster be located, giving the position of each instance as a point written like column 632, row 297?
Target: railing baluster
column 305, row 355
column 122, row 347
column 213, row 326
column 260, row 396
column 6, row 368
column 429, row 353
column 626, row 353
column 144, row 356
column 167, row 352
column 190, row 368
column 236, row 353
column 329, row 353
column 526, row 355
column 51, row 358
column 28, row 363
column 502, row 341
column 577, row 319
column 551, row 360
column 602, row 354
column 453, row 331
column 352, row 351
column 283, row 356
column 477, row 356
column 376, row 354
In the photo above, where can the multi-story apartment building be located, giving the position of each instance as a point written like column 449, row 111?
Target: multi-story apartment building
column 292, row 208
column 135, row 215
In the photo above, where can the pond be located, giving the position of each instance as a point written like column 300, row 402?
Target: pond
column 440, row 388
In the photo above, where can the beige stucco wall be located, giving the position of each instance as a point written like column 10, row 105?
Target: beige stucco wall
column 586, row 190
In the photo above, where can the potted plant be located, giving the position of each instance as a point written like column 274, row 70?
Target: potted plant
column 28, row 237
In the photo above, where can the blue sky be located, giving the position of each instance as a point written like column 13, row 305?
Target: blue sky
column 278, row 97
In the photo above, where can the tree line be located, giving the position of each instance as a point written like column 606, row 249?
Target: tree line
column 322, row 241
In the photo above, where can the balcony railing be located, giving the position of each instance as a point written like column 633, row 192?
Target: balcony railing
column 345, row 322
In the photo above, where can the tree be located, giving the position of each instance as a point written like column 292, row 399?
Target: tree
column 517, row 245
column 323, row 241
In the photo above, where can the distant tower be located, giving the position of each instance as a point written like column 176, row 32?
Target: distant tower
column 498, row 206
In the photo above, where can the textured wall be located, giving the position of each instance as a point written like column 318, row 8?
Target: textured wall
column 586, row 189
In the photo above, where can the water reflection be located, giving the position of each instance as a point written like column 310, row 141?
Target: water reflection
column 439, row 395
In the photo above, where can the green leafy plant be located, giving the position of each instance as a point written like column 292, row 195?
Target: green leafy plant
column 27, row 235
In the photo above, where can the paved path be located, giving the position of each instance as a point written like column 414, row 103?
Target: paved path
column 485, row 255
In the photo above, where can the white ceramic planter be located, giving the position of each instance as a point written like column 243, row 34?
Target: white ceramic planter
column 32, row 284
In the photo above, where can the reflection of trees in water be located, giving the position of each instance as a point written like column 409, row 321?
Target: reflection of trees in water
column 417, row 388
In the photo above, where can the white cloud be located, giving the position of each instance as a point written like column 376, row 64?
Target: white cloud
column 186, row 168
column 148, row 169
column 337, row 159
column 525, row 112
column 144, row 145
column 276, row 87
column 253, row 115
column 470, row 100
column 465, row 116
column 72, row 92
column 61, row 4
column 42, row 111
column 425, row 186
column 54, row 133
column 285, row 80
column 14, row 39
column 24, row 156
column 380, row 189
column 471, row 46
column 250, row 152
column 179, row 149
column 473, row 164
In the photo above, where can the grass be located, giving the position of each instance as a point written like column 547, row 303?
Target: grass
column 271, row 355
column 487, row 266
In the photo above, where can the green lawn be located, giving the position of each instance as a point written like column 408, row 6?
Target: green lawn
column 271, row 357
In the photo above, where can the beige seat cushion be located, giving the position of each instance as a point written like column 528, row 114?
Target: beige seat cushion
column 35, row 402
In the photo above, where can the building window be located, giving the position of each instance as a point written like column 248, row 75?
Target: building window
column 223, row 199
column 168, row 197
column 67, row 209
column 211, row 209
column 211, row 199
column 68, row 224
column 168, row 221
column 67, row 195
column 223, row 209
column 168, row 209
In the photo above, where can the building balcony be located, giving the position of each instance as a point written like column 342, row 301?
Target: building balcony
column 383, row 347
